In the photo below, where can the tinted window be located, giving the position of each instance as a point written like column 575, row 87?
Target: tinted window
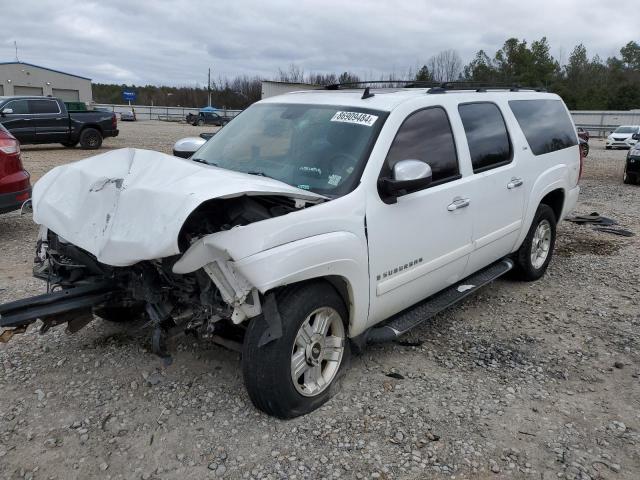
column 43, row 106
column 487, row 135
column 18, row 106
column 545, row 123
column 426, row 135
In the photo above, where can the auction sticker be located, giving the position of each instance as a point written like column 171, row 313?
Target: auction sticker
column 358, row 118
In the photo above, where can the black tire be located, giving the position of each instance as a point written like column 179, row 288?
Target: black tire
column 118, row 313
column 585, row 149
column 607, row 148
column 70, row 144
column 267, row 369
column 628, row 179
column 524, row 266
column 90, row 139
column 200, row 122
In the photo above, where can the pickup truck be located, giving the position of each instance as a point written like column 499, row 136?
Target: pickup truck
column 208, row 118
column 314, row 223
column 35, row 120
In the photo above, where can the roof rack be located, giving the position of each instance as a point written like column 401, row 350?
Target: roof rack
column 435, row 87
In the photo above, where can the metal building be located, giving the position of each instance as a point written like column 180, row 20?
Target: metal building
column 19, row 78
column 271, row 88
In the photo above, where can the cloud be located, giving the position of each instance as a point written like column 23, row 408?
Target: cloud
column 175, row 42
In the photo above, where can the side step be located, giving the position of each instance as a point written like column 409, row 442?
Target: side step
column 404, row 321
column 26, row 311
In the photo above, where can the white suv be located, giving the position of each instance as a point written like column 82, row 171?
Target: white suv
column 313, row 223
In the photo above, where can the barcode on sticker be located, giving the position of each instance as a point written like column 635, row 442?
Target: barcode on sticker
column 355, row 117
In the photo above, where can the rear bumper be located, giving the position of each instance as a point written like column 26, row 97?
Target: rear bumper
column 111, row 133
column 571, row 201
column 13, row 201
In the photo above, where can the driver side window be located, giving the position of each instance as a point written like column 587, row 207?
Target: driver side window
column 426, row 136
column 19, row 107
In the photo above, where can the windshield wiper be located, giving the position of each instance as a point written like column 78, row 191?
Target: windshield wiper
column 260, row 174
column 202, row 160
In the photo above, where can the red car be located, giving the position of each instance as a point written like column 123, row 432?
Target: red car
column 15, row 187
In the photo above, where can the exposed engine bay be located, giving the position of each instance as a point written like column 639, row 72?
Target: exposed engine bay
column 172, row 304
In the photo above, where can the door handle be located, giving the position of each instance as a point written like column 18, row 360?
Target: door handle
column 515, row 182
column 458, row 203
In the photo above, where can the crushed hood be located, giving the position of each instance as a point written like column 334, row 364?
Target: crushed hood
column 129, row 205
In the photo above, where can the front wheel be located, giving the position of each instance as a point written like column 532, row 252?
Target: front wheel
column 534, row 255
column 298, row 372
column 200, row 122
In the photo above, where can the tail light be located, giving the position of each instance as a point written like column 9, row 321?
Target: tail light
column 581, row 162
column 114, row 121
column 9, row 146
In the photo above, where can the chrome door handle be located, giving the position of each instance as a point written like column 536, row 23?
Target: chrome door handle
column 458, row 203
column 515, row 182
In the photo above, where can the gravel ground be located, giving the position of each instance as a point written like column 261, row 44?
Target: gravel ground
column 538, row 380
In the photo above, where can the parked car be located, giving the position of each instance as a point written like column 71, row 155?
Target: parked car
column 312, row 224
column 208, row 118
column 632, row 165
column 622, row 137
column 128, row 116
column 583, row 134
column 15, row 187
column 35, row 120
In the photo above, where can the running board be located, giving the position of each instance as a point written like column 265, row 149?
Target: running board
column 26, row 311
column 404, row 321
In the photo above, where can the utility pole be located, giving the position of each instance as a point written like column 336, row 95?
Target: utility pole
column 15, row 44
column 209, row 86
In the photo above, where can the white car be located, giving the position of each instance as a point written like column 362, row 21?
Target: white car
column 625, row 136
column 314, row 223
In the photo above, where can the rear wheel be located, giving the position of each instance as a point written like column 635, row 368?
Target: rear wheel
column 90, row 139
column 298, row 372
column 534, row 255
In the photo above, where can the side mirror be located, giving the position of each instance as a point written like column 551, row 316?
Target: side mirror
column 636, row 136
column 407, row 176
column 7, row 111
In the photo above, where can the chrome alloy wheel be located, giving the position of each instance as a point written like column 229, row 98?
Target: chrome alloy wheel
column 541, row 243
column 317, row 351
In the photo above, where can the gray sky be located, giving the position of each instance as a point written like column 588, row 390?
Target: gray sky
column 174, row 42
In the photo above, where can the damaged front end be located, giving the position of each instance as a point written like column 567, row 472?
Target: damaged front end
column 211, row 302
column 112, row 228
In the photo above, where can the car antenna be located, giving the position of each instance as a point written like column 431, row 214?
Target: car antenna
column 367, row 94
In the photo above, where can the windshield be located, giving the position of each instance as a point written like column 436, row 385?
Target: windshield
column 626, row 130
column 313, row 147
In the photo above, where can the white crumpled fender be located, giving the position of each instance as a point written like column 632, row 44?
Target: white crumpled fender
column 129, row 205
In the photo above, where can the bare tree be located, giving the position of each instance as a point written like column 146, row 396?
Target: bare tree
column 446, row 66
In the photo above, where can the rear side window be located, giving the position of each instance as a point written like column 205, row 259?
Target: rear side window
column 43, row 106
column 19, row 107
column 487, row 135
column 545, row 123
column 426, row 136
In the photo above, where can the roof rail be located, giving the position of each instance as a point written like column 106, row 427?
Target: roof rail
column 437, row 87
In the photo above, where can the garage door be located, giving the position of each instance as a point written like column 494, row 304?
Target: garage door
column 66, row 95
column 23, row 90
